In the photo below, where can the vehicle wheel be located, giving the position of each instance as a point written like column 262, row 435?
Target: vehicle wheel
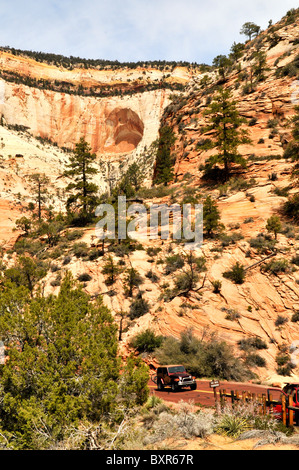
column 160, row 385
column 193, row 386
column 174, row 387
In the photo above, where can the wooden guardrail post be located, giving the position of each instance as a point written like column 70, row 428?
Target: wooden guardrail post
column 284, row 409
column 270, row 402
column 291, row 412
column 221, row 398
column 260, row 403
column 264, row 406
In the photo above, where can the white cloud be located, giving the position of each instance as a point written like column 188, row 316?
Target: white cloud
column 131, row 30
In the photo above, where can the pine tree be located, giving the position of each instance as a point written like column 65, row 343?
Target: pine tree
column 250, row 29
column 26, row 272
column 39, row 187
column 237, row 50
column 291, row 206
column 132, row 279
column 222, row 62
column 83, row 196
column 260, row 65
column 225, row 121
column 292, row 150
column 211, row 216
column 164, row 159
column 111, row 270
column 274, row 225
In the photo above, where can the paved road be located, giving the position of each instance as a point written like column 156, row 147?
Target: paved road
column 203, row 395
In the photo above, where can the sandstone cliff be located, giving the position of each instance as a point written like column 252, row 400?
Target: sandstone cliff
column 120, row 129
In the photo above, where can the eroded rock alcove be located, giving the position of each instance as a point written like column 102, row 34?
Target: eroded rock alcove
column 124, row 130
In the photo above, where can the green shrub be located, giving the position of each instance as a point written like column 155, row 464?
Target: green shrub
column 57, row 281
column 230, row 239
column 138, row 308
column 216, row 286
column 232, row 425
column 295, row 316
column 262, row 243
column 280, row 320
column 291, row 207
column 152, row 276
column 281, row 192
column 289, row 70
column 173, row 263
column 85, row 277
column 27, row 246
column 185, row 282
column 277, row 266
column 94, row 254
column 153, row 251
column 232, row 314
column 252, row 121
column 252, row 343
column 147, row 341
column 255, row 360
column 154, row 192
column 273, row 123
column 74, row 235
column 236, row 274
column 284, row 364
column 80, row 249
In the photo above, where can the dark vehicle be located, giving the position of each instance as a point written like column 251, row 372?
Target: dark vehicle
column 289, row 390
column 174, row 376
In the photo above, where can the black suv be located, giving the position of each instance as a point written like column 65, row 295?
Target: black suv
column 174, row 376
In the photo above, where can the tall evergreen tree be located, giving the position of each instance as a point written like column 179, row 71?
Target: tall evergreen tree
column 83, row 191
column 292, row 150
column 211, row 216
column 222, row 62
column 39, row 186
column 164, row 159
column 260, row 65
column 250, row 29
column 236, row 51
column 291, row 206
column 225, row 121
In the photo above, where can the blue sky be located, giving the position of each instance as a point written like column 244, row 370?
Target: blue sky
column 132, row 30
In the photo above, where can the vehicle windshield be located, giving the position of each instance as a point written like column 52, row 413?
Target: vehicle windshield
column 176, row 369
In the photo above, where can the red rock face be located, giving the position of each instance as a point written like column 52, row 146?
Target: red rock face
column 113, row 123
column 125, row 130
column 63, row 118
